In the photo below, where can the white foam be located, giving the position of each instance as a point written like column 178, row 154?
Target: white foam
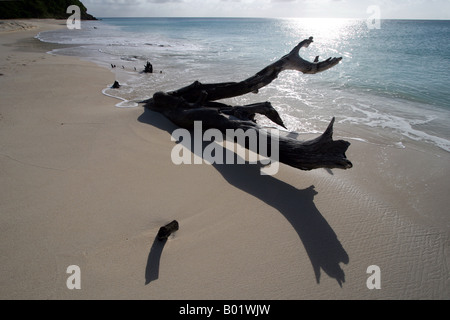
column 412, row 120
column 124, row 103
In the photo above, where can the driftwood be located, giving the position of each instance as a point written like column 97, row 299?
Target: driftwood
column 198, row 102
column 148, row 68
column 165, row 231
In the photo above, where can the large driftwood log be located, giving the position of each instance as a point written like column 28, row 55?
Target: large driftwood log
column 198, row 102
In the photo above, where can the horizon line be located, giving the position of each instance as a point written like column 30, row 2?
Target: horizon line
column 231, row 17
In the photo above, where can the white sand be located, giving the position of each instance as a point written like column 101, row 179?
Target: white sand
column 84, row 183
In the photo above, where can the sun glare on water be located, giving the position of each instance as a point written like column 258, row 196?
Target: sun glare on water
column 327, row 32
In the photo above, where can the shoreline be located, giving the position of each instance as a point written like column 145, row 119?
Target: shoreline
column 85, row 183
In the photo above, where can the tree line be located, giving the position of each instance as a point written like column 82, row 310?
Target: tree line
column 42, row 9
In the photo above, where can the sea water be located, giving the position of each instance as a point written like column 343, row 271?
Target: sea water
column 392, row 79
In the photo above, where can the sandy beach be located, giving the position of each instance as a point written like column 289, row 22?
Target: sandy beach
column 88, row 184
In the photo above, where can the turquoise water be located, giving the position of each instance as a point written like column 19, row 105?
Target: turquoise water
column 394, row 78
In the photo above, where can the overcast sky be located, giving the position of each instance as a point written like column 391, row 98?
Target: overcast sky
column 389, row 9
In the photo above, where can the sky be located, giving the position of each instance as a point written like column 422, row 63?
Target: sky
column 363, row 9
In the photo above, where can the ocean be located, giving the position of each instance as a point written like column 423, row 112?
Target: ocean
column 393, row 81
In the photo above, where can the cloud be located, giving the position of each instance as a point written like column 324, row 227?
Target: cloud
column 163, row 1
column 404, row 9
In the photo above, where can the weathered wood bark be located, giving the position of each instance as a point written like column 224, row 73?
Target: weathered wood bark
column 197, row 102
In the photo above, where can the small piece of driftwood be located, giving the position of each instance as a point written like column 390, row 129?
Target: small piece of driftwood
column 165, row 231
column 148, row 68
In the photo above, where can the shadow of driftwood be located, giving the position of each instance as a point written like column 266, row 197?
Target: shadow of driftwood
column 297, row 206
column 154, row 257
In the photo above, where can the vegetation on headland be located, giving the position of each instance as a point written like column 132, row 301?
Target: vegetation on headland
column 43, row 9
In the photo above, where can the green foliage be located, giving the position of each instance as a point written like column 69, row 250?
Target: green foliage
column 43, row 9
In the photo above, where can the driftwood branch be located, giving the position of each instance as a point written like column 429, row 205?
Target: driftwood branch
column 291, row 61
column 198, row 102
